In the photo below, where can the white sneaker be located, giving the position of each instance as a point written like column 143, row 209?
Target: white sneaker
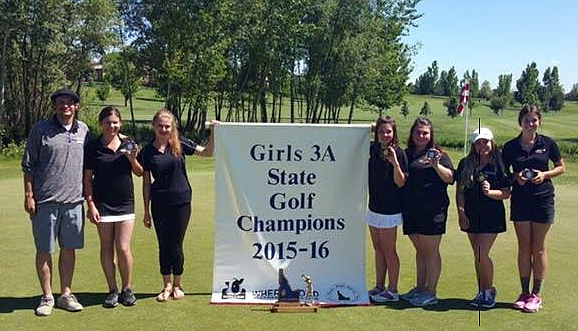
column 68, row 302
column 45, row 306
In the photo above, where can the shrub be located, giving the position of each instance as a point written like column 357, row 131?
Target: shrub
column 103, row 91
column 14, row 150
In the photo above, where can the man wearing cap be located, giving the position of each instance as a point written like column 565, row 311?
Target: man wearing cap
column 52, row 166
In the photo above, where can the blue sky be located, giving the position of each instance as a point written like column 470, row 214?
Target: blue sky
column 497, row 37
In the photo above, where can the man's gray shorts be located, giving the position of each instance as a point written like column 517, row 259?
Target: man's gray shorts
column 62, row 221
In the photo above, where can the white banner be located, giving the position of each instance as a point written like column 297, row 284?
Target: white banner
column 290, row 196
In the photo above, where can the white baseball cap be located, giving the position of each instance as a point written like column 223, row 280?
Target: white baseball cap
column 482, row 133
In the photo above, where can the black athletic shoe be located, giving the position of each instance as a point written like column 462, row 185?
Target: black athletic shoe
column 111, row 300
column 127, row 298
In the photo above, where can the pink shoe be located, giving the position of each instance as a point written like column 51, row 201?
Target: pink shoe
column 375, row 291
column 520, row 303
column 386, row 296
column 533, row 304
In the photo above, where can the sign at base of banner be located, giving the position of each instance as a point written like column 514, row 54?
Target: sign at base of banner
column 292, row 307
column 288, row 301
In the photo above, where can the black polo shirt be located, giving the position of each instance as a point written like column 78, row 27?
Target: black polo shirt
column 538, row 157
column 485, row 213
column 112, row 182
column 171, row 184
column 384, row 194
column 424, row 187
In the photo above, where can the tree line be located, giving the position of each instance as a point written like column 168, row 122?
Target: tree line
column 549, row 94
column 239, row 60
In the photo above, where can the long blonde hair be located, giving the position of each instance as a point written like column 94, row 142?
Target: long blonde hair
column 174, row 141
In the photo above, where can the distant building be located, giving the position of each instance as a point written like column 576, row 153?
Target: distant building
column 97, row 70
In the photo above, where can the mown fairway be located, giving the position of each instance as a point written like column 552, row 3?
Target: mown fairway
column 19, row 289
column 449, row 132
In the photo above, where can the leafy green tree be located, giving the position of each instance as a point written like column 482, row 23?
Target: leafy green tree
column 91, row 37
column 527, row 85
column 498, row 103
column 404, row 109
column 551, row 94
column 452, row 106
column 573, row 94
column 387, row 65
column 451, row 83
column 544, row 92
column 485, row 90
column 447, row 85
column 124, row 75
column 182, row 44
column 426, row 82
column 247, row 55
column 504, row 86
column 425, row 110
column 440, row 84
column 411, row 88
column 474, row 85
column 503, row 92
column 9, row 21
column 103, row 91
column 466, row 77
column 46, row 45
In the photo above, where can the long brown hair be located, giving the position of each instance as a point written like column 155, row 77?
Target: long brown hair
column 432, row 142
column 174, row 141
column 386, row 120
column 467, row 179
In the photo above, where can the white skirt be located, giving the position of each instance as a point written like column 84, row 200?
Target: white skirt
column 117, row 218
column 383, row 221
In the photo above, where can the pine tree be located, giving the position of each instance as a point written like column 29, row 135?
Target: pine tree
column 485, row 90
column 425, row 110
column 527, row 85
column 452, row 106
column 404, row 109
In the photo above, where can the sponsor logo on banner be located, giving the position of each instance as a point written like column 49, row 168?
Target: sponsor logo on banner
column 342, row 293
column 233, row 290
column 273, row 294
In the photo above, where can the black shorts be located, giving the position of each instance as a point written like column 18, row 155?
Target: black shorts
column 432, row 223
column 539, row 209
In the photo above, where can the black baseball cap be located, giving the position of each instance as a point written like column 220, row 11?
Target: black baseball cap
column 65, row 92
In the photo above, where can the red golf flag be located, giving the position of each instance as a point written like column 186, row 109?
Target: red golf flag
column 464, row 98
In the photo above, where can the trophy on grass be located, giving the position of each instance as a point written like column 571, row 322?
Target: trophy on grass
column 309, row 298
column 288, row 299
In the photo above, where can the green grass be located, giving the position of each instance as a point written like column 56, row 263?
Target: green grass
column 19, row 288
column 145, row 103
column 450, row 132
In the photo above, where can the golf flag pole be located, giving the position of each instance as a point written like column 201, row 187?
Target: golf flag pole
column 463, row 107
